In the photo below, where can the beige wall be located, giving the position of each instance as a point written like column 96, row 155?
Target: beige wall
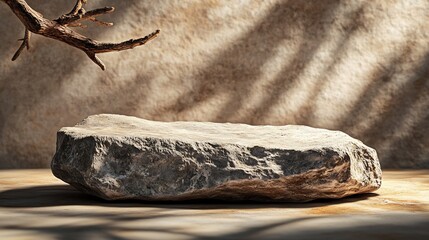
column 358, row 66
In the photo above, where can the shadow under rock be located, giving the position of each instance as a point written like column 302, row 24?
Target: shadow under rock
column 65, row 195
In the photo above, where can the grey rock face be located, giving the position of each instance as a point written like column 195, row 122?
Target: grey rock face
column 121, row 157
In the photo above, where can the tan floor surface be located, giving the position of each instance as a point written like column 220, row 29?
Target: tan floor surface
column 36, row 205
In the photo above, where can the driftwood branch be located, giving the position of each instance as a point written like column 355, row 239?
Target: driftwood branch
column 25, row 43
column 77, row 7
column 59, row 29
column 67, row 19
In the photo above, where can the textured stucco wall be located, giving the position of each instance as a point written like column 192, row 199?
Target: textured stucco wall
column 358, row 66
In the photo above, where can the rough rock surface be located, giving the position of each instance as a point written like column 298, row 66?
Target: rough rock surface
column 121, row 157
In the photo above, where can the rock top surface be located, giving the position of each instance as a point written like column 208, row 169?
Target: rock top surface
column 122, row 157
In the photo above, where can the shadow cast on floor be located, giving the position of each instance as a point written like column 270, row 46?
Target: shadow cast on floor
column 64, row 195
column 155, row 220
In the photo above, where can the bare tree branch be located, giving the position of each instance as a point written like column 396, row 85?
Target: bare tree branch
column 96, row 60
column 77, row 7
column 67, row 19
column 130, row 44
column 60, row 30
column 25, row 43
column 101, row 23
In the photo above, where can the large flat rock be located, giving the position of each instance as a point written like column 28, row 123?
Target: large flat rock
column 121, row 157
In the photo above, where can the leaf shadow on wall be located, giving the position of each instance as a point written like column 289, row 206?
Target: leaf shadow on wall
column 239, row 67
column 237, row 70
column 405, row 114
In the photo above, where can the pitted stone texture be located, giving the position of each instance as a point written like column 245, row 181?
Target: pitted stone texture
column 121, row 157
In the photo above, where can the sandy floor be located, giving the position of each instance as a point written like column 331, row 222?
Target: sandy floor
column 35, row 205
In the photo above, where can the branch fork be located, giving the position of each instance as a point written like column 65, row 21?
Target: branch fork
column 60, row 29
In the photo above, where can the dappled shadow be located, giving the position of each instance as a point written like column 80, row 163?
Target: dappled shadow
column 61, row 212
column 101, row 231
column 65, row 213
column 235, row 71
column 389, row 112
column 309, row 227
column 245, row 93
column 63, row 195
column 336, row 227
column 259, row 229
column 238, row 68
column 96, row 225
column 405, row 113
